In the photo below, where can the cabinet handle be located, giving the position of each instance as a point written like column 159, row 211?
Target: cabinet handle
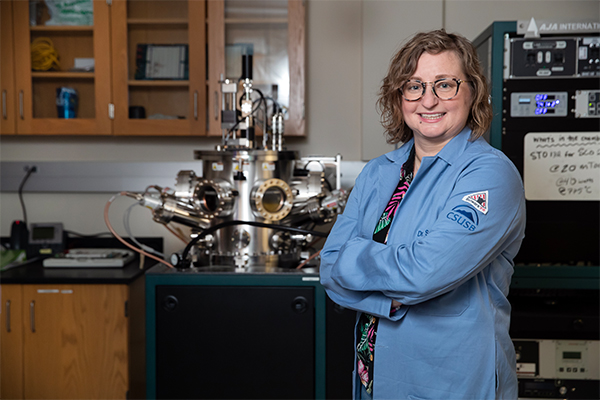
column 7, row 315
column 32, row 315
column 196, row 105
column 4, row 104
column 216, row 105
column 21, row 106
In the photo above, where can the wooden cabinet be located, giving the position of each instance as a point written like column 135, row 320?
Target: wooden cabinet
column 171, row 106
column 36, row 104
column 276, row 32
column 7, row 71
column 11, row 342
column 210, row 31
column 64, row 341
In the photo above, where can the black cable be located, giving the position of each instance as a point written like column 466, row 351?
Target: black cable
column 276, row 105
column 27, row 175
column 233, row 127
column 81, row 235
column 262, row 99
column 212, row 229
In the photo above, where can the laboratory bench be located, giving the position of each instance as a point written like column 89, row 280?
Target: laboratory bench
column 73, row 332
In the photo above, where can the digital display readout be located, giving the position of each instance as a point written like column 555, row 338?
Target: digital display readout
column 540, row 97
column 541, row 111
column 545, row 104
column 539, row 104
column 571, row 355
column 42, row 232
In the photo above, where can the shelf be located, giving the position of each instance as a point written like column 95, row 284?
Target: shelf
column 62, row 28
column 62, row 75
column 256, row 20
column 157, row 21
column 157, row 83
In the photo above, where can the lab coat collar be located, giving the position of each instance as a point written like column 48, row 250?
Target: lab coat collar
column 400, row 155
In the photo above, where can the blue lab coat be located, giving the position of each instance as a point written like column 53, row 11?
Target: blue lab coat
column 448, row 260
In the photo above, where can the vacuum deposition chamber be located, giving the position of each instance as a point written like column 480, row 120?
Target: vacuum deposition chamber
column 239, row 312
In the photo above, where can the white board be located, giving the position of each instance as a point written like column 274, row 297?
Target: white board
column 562, row 166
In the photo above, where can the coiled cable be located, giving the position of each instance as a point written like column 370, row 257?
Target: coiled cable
column 44, row 56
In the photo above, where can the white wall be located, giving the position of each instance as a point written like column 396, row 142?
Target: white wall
column 349, row 45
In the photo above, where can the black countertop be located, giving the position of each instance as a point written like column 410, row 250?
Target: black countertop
column 35, row 273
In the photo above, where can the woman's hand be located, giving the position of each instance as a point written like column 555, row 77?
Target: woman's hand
column 395, row 307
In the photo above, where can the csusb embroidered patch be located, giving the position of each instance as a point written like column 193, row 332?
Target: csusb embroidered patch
column 465, row 216
column 479, row 200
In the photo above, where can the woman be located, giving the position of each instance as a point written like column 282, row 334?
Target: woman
column 425, row 245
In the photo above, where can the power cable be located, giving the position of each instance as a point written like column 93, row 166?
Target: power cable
column 212, row 229
column 30, row 170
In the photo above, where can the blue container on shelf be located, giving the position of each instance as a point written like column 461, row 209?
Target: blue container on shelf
column 67, row 101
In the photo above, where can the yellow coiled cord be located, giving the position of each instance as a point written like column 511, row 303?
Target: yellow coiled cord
column 44, row 56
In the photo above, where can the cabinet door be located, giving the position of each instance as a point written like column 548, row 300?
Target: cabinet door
column 240, row 342
column 11, row 342
column 274, row 31
column 7, row 72
column 37, row 89
column 75, row 342
column 159, row 67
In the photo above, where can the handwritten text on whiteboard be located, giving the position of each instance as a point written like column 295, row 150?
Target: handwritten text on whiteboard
column 562, row 166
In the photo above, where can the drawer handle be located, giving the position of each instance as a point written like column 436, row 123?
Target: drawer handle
column 7, row 315
column 32, row 315
column 21, row 105
column 4, row 114
column 196, row 105
column 216, row 105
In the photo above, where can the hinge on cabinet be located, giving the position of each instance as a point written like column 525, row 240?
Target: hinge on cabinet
column 126, row 309
column 111, row 111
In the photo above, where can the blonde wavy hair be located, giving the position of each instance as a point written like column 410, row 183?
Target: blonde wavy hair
column 404, row 65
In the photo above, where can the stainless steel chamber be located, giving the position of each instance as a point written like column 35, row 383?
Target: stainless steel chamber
column 253, row 205
column 276, row 189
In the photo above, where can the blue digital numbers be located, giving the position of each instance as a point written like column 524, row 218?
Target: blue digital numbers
column 545, row 104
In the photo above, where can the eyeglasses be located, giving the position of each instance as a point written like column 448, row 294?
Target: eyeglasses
column 444, row 89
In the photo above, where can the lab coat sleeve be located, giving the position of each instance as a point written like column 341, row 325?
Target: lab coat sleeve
column 346, row 228
column 452, row 252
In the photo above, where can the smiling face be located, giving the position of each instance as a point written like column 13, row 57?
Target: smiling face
column 435, row 122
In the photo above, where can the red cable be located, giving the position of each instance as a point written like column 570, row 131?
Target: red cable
column 115, row 234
